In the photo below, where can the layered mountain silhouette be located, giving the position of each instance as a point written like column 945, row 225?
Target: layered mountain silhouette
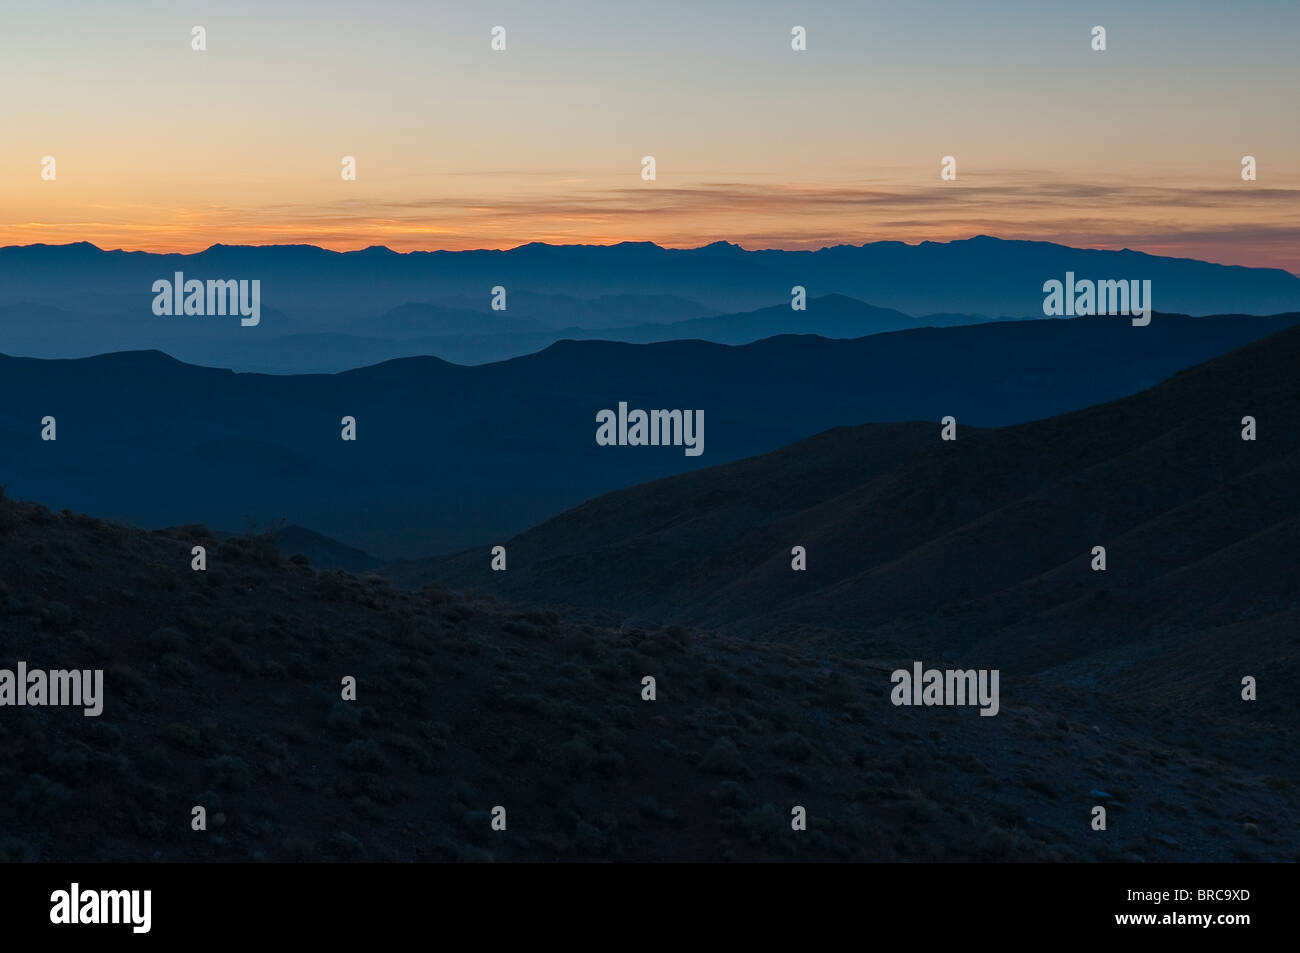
column 981, row 548
column 448, row 456
column 77, row 300
column 1119, row 688
column 464, row 336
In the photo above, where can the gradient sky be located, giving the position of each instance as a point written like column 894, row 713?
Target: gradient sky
column 159, row 147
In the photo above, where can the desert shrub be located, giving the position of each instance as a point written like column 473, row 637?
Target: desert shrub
column 58, row 616
column 1006, row 814
column 523, row 628
column 763, row 823
column 298, row 847
column 225, row 655
column 676, row 633
column 176, row 667
column 410, row 751
column 461, row 795
column 919, row 809
column 576, row 755
column 148, row 825
column 298, row 665
column 363, row 753
column 413, row 687
column 40, row 515
column 731, row 794
column 133, row 686
column 725, row 758
column 15, row 851
column 154, row 763
column 470, row 854
column 792, row 746
column 237, row 630
column 793, row 774
column 531, row 702
column 229, row 772
column 272, row 745
column 296, row 733
column 589, row 840
column 715, row 679
column 347, row 845
column 912, row 761
column 187, row 736
column 652, row 647
column 115, row 534
column 106, row 734
column 331, row 586
column 71, row 762
column 435, row 593
column 166, row 639
column 609, row 764
column 583, row 644
column 39, row 797
column 344, row 718
column 995, row 845
column 262, row 548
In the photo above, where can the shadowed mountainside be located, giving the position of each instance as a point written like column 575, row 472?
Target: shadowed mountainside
column 448, row 456
column 222, row 689
column 978, row 548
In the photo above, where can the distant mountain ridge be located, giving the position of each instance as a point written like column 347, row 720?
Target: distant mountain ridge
column 462, row 336
column 312, row 291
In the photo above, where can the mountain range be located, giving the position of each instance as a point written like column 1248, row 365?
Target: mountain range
column 326, row 311
column 1120, row 687
column 448, row 456
column 979, row 548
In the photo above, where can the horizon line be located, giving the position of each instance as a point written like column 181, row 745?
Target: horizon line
column 643, row 243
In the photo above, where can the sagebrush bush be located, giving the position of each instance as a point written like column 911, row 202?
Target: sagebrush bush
column 363, row 753
column 725, row 758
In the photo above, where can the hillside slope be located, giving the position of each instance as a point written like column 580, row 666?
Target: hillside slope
column 222, row 690
column 978, row 548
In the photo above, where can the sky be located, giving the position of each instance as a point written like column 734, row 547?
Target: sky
column 161, row 147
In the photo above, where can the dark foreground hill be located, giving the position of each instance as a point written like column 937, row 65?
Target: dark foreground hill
column 222, row 690
column 448, row 456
